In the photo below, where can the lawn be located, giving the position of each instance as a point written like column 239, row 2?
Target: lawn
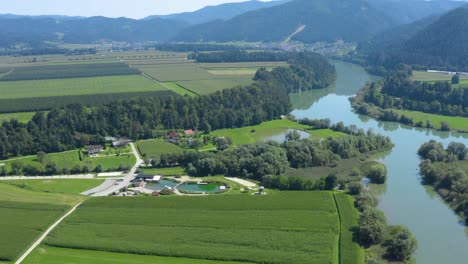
column 25, row 214
column 455, row 123
column 155, row 147
column 55, row 255
column 21, row 117
column 71, row 186
column 70, row 159
column 178, row 89
column 282, row 227
column 176, row 171
column 78, row 86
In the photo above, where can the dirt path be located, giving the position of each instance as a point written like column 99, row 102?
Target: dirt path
column 46, row 233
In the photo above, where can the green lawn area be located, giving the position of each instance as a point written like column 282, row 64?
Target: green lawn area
column 456, row 123
column 176, row 171
column 252, row 134
column 25, row 214
column 22, row 117
column 55, row 255
column 178, row 89
column 219, row 83
column 282, row 227
column 463, row 83
column 78, row 86
column 70, row 159
column 155, row 147
column 429, row 76
column 71, row 186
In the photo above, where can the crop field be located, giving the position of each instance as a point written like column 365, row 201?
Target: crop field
column 455, row 122
column 282, row 227
column 178, row 89
column 429, row 76
column 55, row 255
column 246, row 68
column 21, row 117
column 203, row 87
column 25, row 214
column 71, row 186
column 70, row 71
column 156, row 147
column 70, row 159
column 177, row 72
column 78, row 86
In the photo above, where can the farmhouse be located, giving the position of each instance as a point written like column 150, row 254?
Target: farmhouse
column 94, row 149
column 173, row 135
column 189, row 132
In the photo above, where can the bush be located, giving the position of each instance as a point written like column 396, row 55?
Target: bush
column 401, row 245
column 371, row 228
column 377, row 174
column 354, row 188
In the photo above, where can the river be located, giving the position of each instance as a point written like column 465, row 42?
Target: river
column 403, row 199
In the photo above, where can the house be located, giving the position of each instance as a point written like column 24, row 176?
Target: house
column 189, row 133
column 94, row 149
column 156, row 178
column 173, row 135
column 123, row 142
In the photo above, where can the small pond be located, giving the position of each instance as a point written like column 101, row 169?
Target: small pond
column 163, row 184
column 200, row 188
column 281, row 137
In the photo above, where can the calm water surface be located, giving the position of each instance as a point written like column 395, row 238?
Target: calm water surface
column 405, row 201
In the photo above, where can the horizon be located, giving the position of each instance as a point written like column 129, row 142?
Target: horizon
column 107, row 8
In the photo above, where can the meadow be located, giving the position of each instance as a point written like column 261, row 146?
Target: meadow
column 25, row 214
column 430, row 76
column 455, row 122
column 22, row 117
column 282, row 227
column 69, row 71
column 70, row 186
column 70, row 159
column 175, row 171
column 155, row 147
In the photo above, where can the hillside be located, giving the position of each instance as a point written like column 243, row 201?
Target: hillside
column 435, row 42
column 220, row 12
column 325, row 20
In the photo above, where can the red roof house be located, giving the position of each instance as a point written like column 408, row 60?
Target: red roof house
column 189, row 132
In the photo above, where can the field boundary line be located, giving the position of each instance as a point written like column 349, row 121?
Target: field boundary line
column 45, row 234
column 165, row 86
column 339, row 229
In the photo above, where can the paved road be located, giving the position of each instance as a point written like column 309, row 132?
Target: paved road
column 26, row 254
column 126, row 179
column 105, row 185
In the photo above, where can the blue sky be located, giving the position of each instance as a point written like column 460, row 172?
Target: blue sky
column 110, row 8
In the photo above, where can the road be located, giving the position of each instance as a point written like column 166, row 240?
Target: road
column 125, row 180
column 46, row 233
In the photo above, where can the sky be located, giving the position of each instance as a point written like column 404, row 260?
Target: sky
column 109, row 8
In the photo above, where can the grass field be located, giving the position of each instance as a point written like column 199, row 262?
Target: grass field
column 213, row 85
column 156, row 147
column 70, row 159
column 178, row 89
column 429, row 76
column 177, row 72
column 77, row 86
column 68, row 71
column 176, row 171
column 342, row 171
column 21, row 117
column 25, row 214
column 55, row 255
column 71, row 186
column 282, row 227
column 245, row 68
column 456, row 123
column 252, row 134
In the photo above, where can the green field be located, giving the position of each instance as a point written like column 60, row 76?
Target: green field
column 429, row 76
column 78, row 86
column 178, row 89
column 252, row 134
column 455, row 122
column 155, row 147
column 70, row 159
column 71, row 186
column 55, row 255
column 68, row 71
column 25, row 214
column 21, row 117
column 282, row 227
column 177, row 72
column 244, row 68
column 213, row 85
column 176, row 171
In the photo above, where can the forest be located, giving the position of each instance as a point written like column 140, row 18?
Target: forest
column 75, row 126
column 445, row 170
column 244, row 56
column 399, row 92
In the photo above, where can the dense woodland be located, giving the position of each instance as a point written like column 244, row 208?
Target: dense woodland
column 445, row 170
column 75, row 125
column 399, row 92
column 244, row 56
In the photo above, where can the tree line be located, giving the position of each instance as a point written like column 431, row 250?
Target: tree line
column 442, row 169
column 75, row 126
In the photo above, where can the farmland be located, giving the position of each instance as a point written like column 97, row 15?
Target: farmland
column 25, row 215
column 68, row 71
column 222, row 228
column 455, row 123
column 156, row 147
column 429, row 76
column 70, row 186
